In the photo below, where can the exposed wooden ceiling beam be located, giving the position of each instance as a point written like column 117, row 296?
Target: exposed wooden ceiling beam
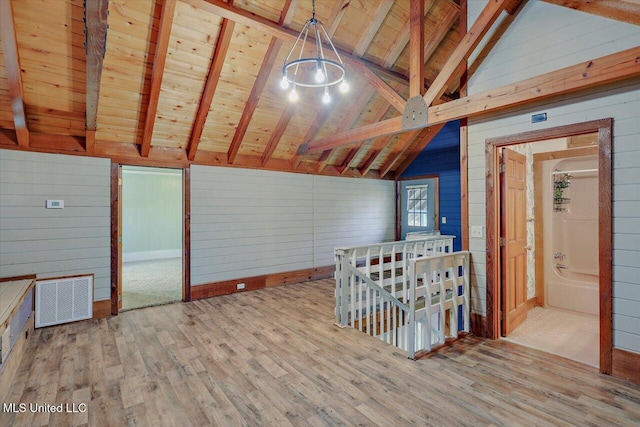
column 367, row 37
column 159, row 59
column 95, row 21
column 355, row 151
column 466, row 46
column 254, row 97
column 266, row 26
column 376, row 150
column 383, row 88
column 399, row 149
column 289, row 9
column 620, row 10
column 416, row 148
column 277, row 133
column 215, row 69
column 339, row 9
column 12, row 67
column 440, row 32
column 350, row 119
column 402, row 39
column 586, row 75
column 313, row 130
column 416, row 48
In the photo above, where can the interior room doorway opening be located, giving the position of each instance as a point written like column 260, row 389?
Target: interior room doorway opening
column 544, row 287
column 150, row 236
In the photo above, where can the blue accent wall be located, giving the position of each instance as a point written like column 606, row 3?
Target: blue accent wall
column 442, row 157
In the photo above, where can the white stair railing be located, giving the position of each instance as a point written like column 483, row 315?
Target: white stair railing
column 392, row 291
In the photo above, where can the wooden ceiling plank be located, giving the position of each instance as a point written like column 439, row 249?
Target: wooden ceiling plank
column 367, row 37
column 440, row 32
column 416, row 48
column 399, row 151
column 375, row 153
column 586, row 75
column 254, row 97
column 383, row 88
column 266, row 26
column 402, row 39
column 466, row 46
column 417, row 147
column 277, row 133
column 289, row 9
column 339, row 9
column 355, row 151
column 313, row 130
column 160, row 57
column 12, row 70
column 95, row 47
column 350, row 119
column 619, row 10
column 215, row 69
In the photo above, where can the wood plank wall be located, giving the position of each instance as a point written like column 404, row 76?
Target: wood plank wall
column 551, row 37
column 55, row 242
column 248, row 223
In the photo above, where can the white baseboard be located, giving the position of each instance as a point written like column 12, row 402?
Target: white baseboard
column 151, row 255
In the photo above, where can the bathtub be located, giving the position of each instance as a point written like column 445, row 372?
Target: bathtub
column 571, row 236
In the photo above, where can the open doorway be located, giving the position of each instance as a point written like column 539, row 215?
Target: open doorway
column 150, row 236
column 549, row 241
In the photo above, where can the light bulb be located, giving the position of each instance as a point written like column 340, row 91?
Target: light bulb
column 284, row 83
column 293, row 95
column 319, row 75
column 344, row 86
column 326, row 98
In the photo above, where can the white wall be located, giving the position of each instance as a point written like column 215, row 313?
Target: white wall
column 55, row 242
column 541, row 39
column 251, row 222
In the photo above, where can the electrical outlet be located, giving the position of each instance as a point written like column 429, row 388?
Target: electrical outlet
column 240, row 286
column 444, row 220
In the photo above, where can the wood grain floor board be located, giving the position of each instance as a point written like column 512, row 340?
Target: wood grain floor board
column 275, row 357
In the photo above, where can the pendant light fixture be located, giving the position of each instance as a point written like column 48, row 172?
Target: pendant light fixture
column 317, row 71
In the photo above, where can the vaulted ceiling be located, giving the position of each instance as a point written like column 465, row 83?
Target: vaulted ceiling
column 173, row 82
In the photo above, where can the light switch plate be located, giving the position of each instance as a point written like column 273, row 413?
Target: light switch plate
column 444, row 220
column 477, row 231
column 55, row 204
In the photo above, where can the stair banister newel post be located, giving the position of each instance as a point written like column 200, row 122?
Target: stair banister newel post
column 344, row 288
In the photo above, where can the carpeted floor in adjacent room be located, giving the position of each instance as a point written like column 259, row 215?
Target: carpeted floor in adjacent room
column 146, row 283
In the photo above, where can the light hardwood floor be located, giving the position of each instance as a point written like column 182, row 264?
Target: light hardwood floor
column 274, row 357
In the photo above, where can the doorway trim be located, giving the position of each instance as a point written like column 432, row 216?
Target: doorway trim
column 115, row 233
column 604, row 128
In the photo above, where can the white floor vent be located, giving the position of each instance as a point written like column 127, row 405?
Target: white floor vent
column 63, row 300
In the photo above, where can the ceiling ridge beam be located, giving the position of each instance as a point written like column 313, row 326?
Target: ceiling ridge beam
column 252, row 102
column 95, row 24
column 277, row 133
column 416, row 148
column 159, row 60
column 365, row 40
column 213, row 77
column 466, row 46
column 13, row 72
